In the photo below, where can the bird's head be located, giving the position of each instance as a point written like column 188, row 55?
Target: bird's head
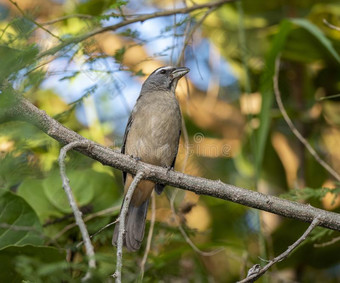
column 164, row 78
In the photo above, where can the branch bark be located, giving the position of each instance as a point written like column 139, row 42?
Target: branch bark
column 26, row 111
column 122, row 216
column 77, row 213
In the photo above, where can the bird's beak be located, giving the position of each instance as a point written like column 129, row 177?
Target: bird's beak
column 179, row 72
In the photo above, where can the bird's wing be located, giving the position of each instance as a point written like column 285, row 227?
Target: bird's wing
column 173, row 162
column 160, row 187
column 127, row 129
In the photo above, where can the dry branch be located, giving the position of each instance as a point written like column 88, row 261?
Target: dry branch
column 77, row 213
column 295, row 131
column 122, row 217
column 140, row 18
column 150, row 234
column 330, row 25
column 256, row 271
column 26, row 111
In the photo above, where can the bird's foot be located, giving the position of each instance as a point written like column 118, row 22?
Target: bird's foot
column 168, row 168
column 136, row 158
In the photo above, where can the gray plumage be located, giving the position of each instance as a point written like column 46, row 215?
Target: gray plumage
column 151, row 135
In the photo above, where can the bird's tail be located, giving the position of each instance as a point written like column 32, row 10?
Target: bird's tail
column 134, row 227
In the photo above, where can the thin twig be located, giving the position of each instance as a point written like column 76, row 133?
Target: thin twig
column 33, row 21
column 148, row 242
column 5, row 29
column 329, row 97
column 188, row 37
column 77, row 213
column 183, row 127
column 330, row 25
column 256, row 271
column 19, row 228
column 184, row 234
column 331, row 242
column 194, row 247
column 86, row 219
column 293, row 128
column 81, row 16
column 122, row 216
column 140, row 18
column 99, row 231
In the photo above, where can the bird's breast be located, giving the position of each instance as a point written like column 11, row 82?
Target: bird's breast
column 154, row 133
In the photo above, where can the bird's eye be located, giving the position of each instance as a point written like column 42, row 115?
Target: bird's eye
column 162, row 72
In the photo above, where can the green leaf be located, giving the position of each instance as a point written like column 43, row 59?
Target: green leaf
column 130, row 33
column 48, row 199
column 19, row 223
column 82, row 184
column 97, row 7
column 106, row 192
column 13, row 264
column 118, row 3
column 10, row 177
column 13, row 60
column 310, row 193
column 119, row 54
column 139, row 73
column 32, row 191
column 319, row 35
column 22, row 26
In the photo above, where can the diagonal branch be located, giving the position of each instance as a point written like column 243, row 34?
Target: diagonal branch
column 188, row 37
column 256, row 271
column 33, row 21
column 89, row 217
column 23, row 110
column 294, row 129
column 184, row 234
column 141, row 18
column 330, row 25
column 150, row 234
column 77, row 213
column 122, row 216
column 331, row 242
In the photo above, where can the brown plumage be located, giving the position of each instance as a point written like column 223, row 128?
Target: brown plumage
column 152, row 135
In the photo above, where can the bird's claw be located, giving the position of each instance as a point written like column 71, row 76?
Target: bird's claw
column 136, row 158
column 168, row 168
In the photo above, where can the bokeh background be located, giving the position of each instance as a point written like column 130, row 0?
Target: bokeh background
column 233, row 132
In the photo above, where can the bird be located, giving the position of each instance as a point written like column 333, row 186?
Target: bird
column 152, row 136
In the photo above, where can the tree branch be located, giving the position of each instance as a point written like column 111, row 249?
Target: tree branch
column 330, row 25
column 77, row 213
column 89, row 217
column 150, row 234
column 256, row 272
column 295, row 131
column 33, row 21
column 331, row 242
column 122, row 216
column 26, row 111
column 141, row 18
column 188, row 36
column 184, row 234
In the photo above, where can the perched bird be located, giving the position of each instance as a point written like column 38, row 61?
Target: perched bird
column 152, row 136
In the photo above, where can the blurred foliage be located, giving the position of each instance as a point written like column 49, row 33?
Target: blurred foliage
column 235, row 134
